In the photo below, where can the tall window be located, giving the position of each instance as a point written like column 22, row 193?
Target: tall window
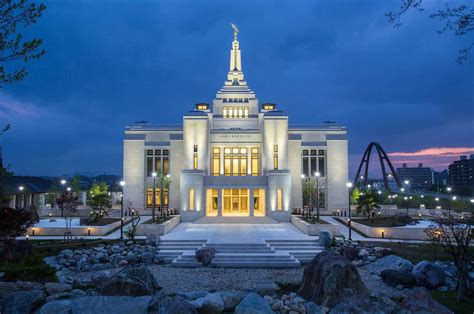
column 235, row 161
column 149, row 197
column 314, row 160
column 255, row 161
column 275, row 157
column 279, row 199
column 191, row 199
column 195, row 157
column 216, row 161
column 157, row 160
column 235, row 112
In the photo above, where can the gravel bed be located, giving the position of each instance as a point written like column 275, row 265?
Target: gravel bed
column 209, row 279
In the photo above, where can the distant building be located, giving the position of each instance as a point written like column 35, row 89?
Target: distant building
column 461, row 175
column 420, row 177
column 441, row 178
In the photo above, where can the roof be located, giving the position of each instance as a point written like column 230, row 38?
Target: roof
column 31, row 184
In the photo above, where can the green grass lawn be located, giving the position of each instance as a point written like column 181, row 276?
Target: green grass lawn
column 448, row 299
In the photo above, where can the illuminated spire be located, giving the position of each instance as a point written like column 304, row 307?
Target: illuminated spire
column 235, row 75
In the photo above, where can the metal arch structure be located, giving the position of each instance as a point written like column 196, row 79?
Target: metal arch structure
column 382, row 157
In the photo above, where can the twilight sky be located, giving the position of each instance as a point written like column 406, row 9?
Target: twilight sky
column 110, row 63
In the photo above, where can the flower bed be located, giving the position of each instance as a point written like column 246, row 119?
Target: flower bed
column 313, row 229
column 158, row 228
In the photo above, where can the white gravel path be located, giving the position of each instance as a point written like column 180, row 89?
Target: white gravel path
column 173, row 279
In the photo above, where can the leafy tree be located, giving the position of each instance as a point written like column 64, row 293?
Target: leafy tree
column 367, row 203
column 13, row 223
column 75, row 184
column 16, row 15
column 355, row 195
column 459, row 20
column 68, row 202
column 99, row 200
column 454, row 235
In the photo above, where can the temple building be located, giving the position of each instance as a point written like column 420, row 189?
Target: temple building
column 234, row 158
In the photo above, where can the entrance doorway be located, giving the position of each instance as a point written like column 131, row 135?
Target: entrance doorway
column 235, row 202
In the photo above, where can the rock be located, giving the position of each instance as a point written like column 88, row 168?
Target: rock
column 161, row 304
column 130, row 281
column 330, row 278
column 395, row 277
column 57, row 307
column 99, row 277
column 122, row 263
column 363, row 253
column 428, row 275
column 56, row 287
column 102, row 257
column 58, row 296
column 52, row 261
column 2, row 274
column 253, row 304
column 78, row 293
column 205, row 255
column 390, row 262
column 146, row 257
column 111, row 304
column 153, row 239
column 312, row 308
column 193, row 295
column 277, row 305
column 382, row 251
column 349, row 252
column 22, row 301
column 28, row 286
column 210, row 304
column 131, row 258
column 419, row 300
column 325, row 238
column 231, row 299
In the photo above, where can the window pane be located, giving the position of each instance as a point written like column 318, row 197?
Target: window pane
column 305, row 152
column 275, row 148
column 313, row 152
column 157, row 151
column 195, row 162
column 166, row 152
column 279, row 199
column 275, row 162
column 216, row 165
column 321, row 166
column 191, row 199
column 216, row 150
column 321, row 152
column 254, row 150
column 166, row 166
column 246, row 112
column 158, row 165
column 313, row 165
column 149, row 152
column 306, row 167
column 224, row 112
column 227, row 166
column 255, row 170
column 235, row 166
column 227, row 150
column 243, row 166
column 149, row 166
column 235, row 150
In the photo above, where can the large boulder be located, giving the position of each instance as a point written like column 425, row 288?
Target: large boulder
column 390, row 262
column 110, row 304
column 325, row 238
column 253, row 304
column 130, row 281
column 428, row 275
column 209, row 304
column 350, row 252
column 205, row 255
column 419, row 300
column 395, row 277
column 57, row 307
column 56, row 287
column 162, row 304
column 22, row 301
column 331, row 278
column 231, row 299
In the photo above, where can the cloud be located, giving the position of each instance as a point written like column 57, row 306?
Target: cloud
column 436, row 151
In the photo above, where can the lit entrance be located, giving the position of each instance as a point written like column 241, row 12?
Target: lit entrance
column 235, row 202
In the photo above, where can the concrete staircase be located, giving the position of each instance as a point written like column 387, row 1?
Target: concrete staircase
column 302, row 250
column 270, row 254
column 169, row 250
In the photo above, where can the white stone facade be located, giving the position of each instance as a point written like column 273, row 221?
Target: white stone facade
column 235, row 159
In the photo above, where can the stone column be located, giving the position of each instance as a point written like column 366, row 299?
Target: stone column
column 220, row 194
column 251, row 208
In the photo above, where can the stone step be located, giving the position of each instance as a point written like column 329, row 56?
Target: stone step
column 257, row 264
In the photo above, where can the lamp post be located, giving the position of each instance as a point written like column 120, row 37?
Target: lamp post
column 63, row 183
column 448, row 189
column 406, row 200
column 161, row 196
column 349, row 187
column 317, row 175
column 307, row 180
column 122, row 184
column 153, row 198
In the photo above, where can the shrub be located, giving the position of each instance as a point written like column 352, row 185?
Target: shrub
column 29, row 268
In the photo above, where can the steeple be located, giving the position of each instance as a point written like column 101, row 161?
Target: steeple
column 235, row 75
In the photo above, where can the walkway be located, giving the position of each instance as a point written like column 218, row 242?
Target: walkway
column 236, row 232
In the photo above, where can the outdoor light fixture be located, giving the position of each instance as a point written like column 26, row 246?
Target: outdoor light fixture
column 122, row 183
column 154, row 174
column 436, row 199
column 472, row 200
column 27, row 237
column 349, row 186
column 33, row 231
column 63, row 182
column 168, row 176
column 422, row 196
column 20, row 188
column 454, row 198
column 380, row 192
column 302, row 176
column 69, row 189
column 405, row 198
column 368, row 185
column 383, row 233
column 406, row 182
column 402, row 189
column 89, row 232
column 317, row 174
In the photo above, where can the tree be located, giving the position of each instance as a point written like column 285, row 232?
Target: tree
column 453, row 233
column 68, row 202
column 99, row 200
column 16, row 15
column 367, row 203
column 458, row 20
column 355, row 195
column 3, row 171
column 13, row 223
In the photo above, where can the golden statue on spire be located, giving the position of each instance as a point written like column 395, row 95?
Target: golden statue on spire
column 236, row 30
